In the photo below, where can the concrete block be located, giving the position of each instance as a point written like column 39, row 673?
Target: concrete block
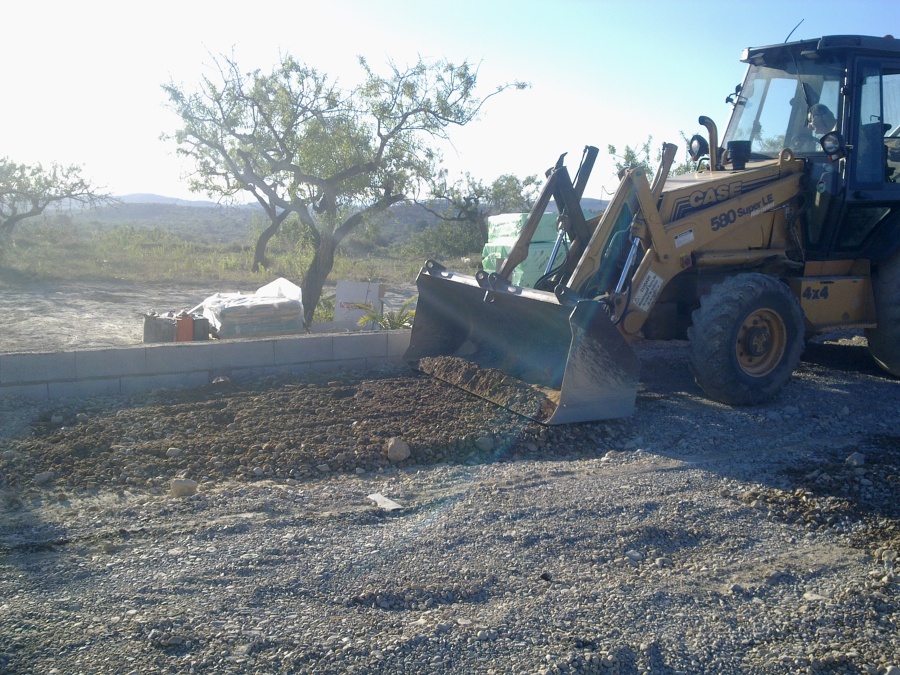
column 295, row 368
column 398, row 342
column 230, row 354
column 305, row 349
column 82, row 388
column 37, row 367
column 99, row 363
column 272, row 372
column 130, row 370
column 180, row 357
column 31, row 392
column 360, row 345
column 246, row 374
column 140, row 383
column 333, row 327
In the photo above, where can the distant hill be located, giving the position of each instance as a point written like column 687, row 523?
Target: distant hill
column 587, row 203
column 147, row 198
column 193, row 221
column 199, row 220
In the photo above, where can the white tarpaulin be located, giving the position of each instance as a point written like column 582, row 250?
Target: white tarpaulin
column 274, row 308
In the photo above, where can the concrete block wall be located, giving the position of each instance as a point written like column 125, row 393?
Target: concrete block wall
column 130, row 370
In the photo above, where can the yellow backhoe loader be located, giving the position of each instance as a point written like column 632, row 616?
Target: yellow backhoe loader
column 790, row 228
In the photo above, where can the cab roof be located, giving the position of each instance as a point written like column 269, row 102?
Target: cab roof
column 829, row 45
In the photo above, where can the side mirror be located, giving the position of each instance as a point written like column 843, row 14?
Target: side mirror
column 699, row 147
column 833, row 145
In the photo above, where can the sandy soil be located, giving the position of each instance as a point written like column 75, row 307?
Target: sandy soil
column 60, row 317
column 44, row 317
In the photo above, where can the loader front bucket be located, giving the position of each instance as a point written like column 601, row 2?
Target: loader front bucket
column 522, row 349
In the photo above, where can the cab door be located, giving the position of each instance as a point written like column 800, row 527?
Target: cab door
column 869, row 225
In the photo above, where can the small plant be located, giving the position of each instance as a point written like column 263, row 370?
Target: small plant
column 394, row 319
column 324, row 310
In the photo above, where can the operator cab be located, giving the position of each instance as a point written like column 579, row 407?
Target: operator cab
column 845, row 91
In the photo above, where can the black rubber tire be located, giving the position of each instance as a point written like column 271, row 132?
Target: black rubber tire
column 884, row 341
column 746, row 339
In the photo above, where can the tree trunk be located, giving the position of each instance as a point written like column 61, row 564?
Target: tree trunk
column 8, row 226
column 316, row 274
column 6, row 233
column 481, row 222
column 259, row 254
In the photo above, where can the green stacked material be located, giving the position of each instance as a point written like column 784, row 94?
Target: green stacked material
column 529, row 270
column 508, row 225
column 503, row 231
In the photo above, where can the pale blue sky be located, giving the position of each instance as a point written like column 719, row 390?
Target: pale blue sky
column 82, row 80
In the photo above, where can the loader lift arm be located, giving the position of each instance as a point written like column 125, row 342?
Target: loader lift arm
column 567, row 196
column 669, row 248
column 776, row 240
column 564, row 356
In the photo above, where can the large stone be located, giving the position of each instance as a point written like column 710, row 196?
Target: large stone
column 183, row 487
column 484, row 443
column 397, row 449
column 43, row 477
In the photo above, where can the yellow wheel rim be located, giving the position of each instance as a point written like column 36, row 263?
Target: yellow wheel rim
column 761, row 341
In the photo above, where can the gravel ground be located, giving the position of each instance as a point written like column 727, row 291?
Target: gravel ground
column 691, row 537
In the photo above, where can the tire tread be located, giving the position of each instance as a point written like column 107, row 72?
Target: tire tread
column 884, row 341
column 711, row 345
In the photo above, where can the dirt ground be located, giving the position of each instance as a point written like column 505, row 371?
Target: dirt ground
column 689, row 537
column 43, row 317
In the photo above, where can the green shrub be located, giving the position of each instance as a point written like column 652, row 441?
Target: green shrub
column 324, row 310
column 445, row 240
column 394, row 319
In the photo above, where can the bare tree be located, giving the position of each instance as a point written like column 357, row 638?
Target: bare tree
column 300, row 144
column 25, row 191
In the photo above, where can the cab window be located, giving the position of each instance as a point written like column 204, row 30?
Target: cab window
column 773, row 108
column 878, row 144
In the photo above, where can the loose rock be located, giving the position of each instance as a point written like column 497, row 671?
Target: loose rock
column 397, row 450
column 182, row 487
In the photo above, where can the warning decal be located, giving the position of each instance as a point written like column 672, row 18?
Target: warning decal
column 648, row 290
column 684, row 238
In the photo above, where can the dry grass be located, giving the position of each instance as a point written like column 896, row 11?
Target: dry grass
column 46, row 251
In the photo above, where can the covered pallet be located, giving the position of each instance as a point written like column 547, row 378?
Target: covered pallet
column 274, row 309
